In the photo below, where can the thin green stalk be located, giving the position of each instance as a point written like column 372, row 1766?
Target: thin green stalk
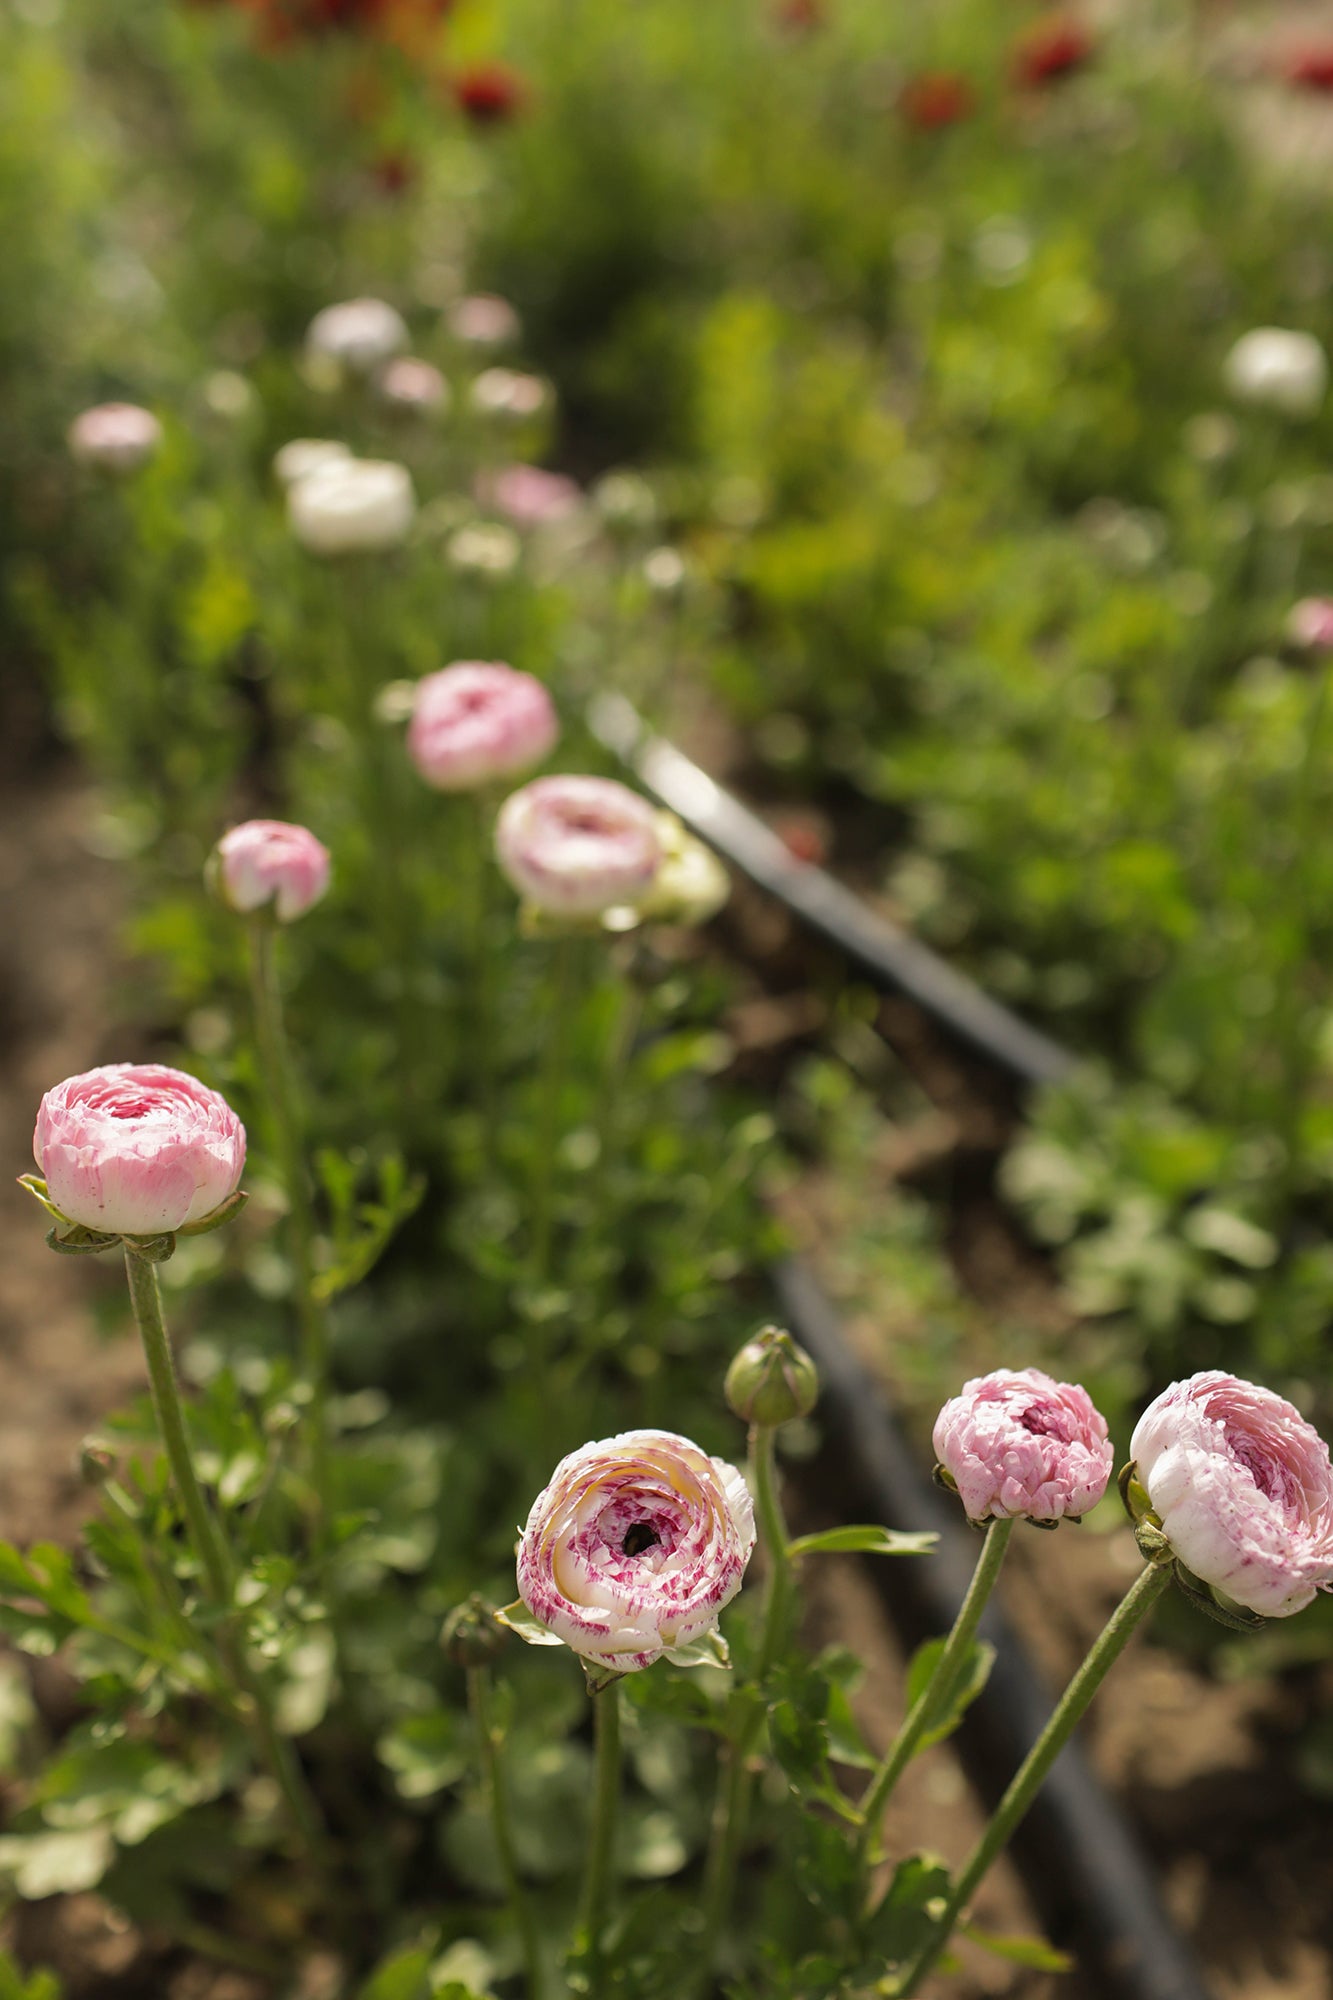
column 548, row 1108
column 210, row 1549
column 938, row 1688
column 1296, row 1053
column 276, row 1069
column 731, row 1812
column 601, row 1836
column 488, row 1745
column 1138, row 1600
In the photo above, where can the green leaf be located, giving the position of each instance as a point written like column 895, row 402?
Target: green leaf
column 39, row 1985
column 866, row 1541
column 915, row 1901
column 427, row 1753
column 1031, row 1951
column 952, row 1703
column 519, row 1619
column 404, row 1975
column 711, row 1650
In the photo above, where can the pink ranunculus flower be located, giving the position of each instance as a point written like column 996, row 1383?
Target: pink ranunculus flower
column 1243, row 1488
column 634, row 1547
column 1018, row 1443
column 479, row 720
column 412, row 387
column 136, row 1149
column 577, row 846
column 529, row 496
column 483, row 320
column 1310, row 624
column 269, row 862
column 115, row 437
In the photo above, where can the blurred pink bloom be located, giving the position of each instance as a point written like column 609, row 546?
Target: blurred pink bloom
column 529, row 496
column 476, row 721
column 1310, row 624
column 136, row 1149
column 503, row 392
column 1019, row 1443
column 578, row 846
column 115, row 437
column 269, row 861
column 634, row 1547
column 412, row 386
column 1243, row 1488
column 483, row 320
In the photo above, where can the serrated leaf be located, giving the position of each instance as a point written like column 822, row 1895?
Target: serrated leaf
column 1035, row 1952
column 519, row 1619
column 867, row 1541
column 951, row 1703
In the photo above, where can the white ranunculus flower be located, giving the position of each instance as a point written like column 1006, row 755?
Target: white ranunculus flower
column 359, row 334
column 302, row 456
column 352, row 506
column 1276, row 368
column 635, row 1546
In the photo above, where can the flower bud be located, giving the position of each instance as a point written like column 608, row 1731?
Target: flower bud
column 269, row 864
column 772, row 1380
column 471, row 1636
column 97, row 1462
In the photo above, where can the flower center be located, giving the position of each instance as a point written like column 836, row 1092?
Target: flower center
column 639, row 1537
column 1048, row 1420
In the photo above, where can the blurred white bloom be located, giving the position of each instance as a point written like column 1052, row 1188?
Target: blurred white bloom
column 625, row 501
column 359, row 334
column 416, row 388
column 483, row 320
column 501, row 392
column 114, row 437
column 691, row 885
column 1278, row 369
column 351, row 506
column 664, row 570
column 1211, row 437
column 306, row 455
column 394, row 702
column 229, row 394
column 486, row 546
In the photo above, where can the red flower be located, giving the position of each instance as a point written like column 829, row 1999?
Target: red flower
column 1050, row 50
column 489, row 93
column 1311, row 68
column 937, row 98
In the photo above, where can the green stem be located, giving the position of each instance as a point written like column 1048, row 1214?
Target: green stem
column 938, row 1688
column 1295, row 1051
column 209, row 1548
column 276, row 1071
column 1138, row 1600
column 731, row 1812
column 601, row 1837
column 488, row 1745
column 552, row 1078
column 211, row 1551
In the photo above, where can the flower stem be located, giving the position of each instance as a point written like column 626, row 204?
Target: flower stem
column 731, row 1813
column 552, row 1077
column 1138, row 1600
column 938, row 1688
column 254, row 1700
column 276, row 1068
column 488, row 1745
column 601, row 1837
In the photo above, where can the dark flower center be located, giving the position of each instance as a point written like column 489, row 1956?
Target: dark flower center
column 638, row 1538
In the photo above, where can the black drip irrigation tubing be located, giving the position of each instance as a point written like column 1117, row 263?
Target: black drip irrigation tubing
column 890, row 957
column 1086, row 1872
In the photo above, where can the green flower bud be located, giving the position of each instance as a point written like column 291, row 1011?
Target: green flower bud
column 772, row 1380
column 97, row 1462
column 471, row 1637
